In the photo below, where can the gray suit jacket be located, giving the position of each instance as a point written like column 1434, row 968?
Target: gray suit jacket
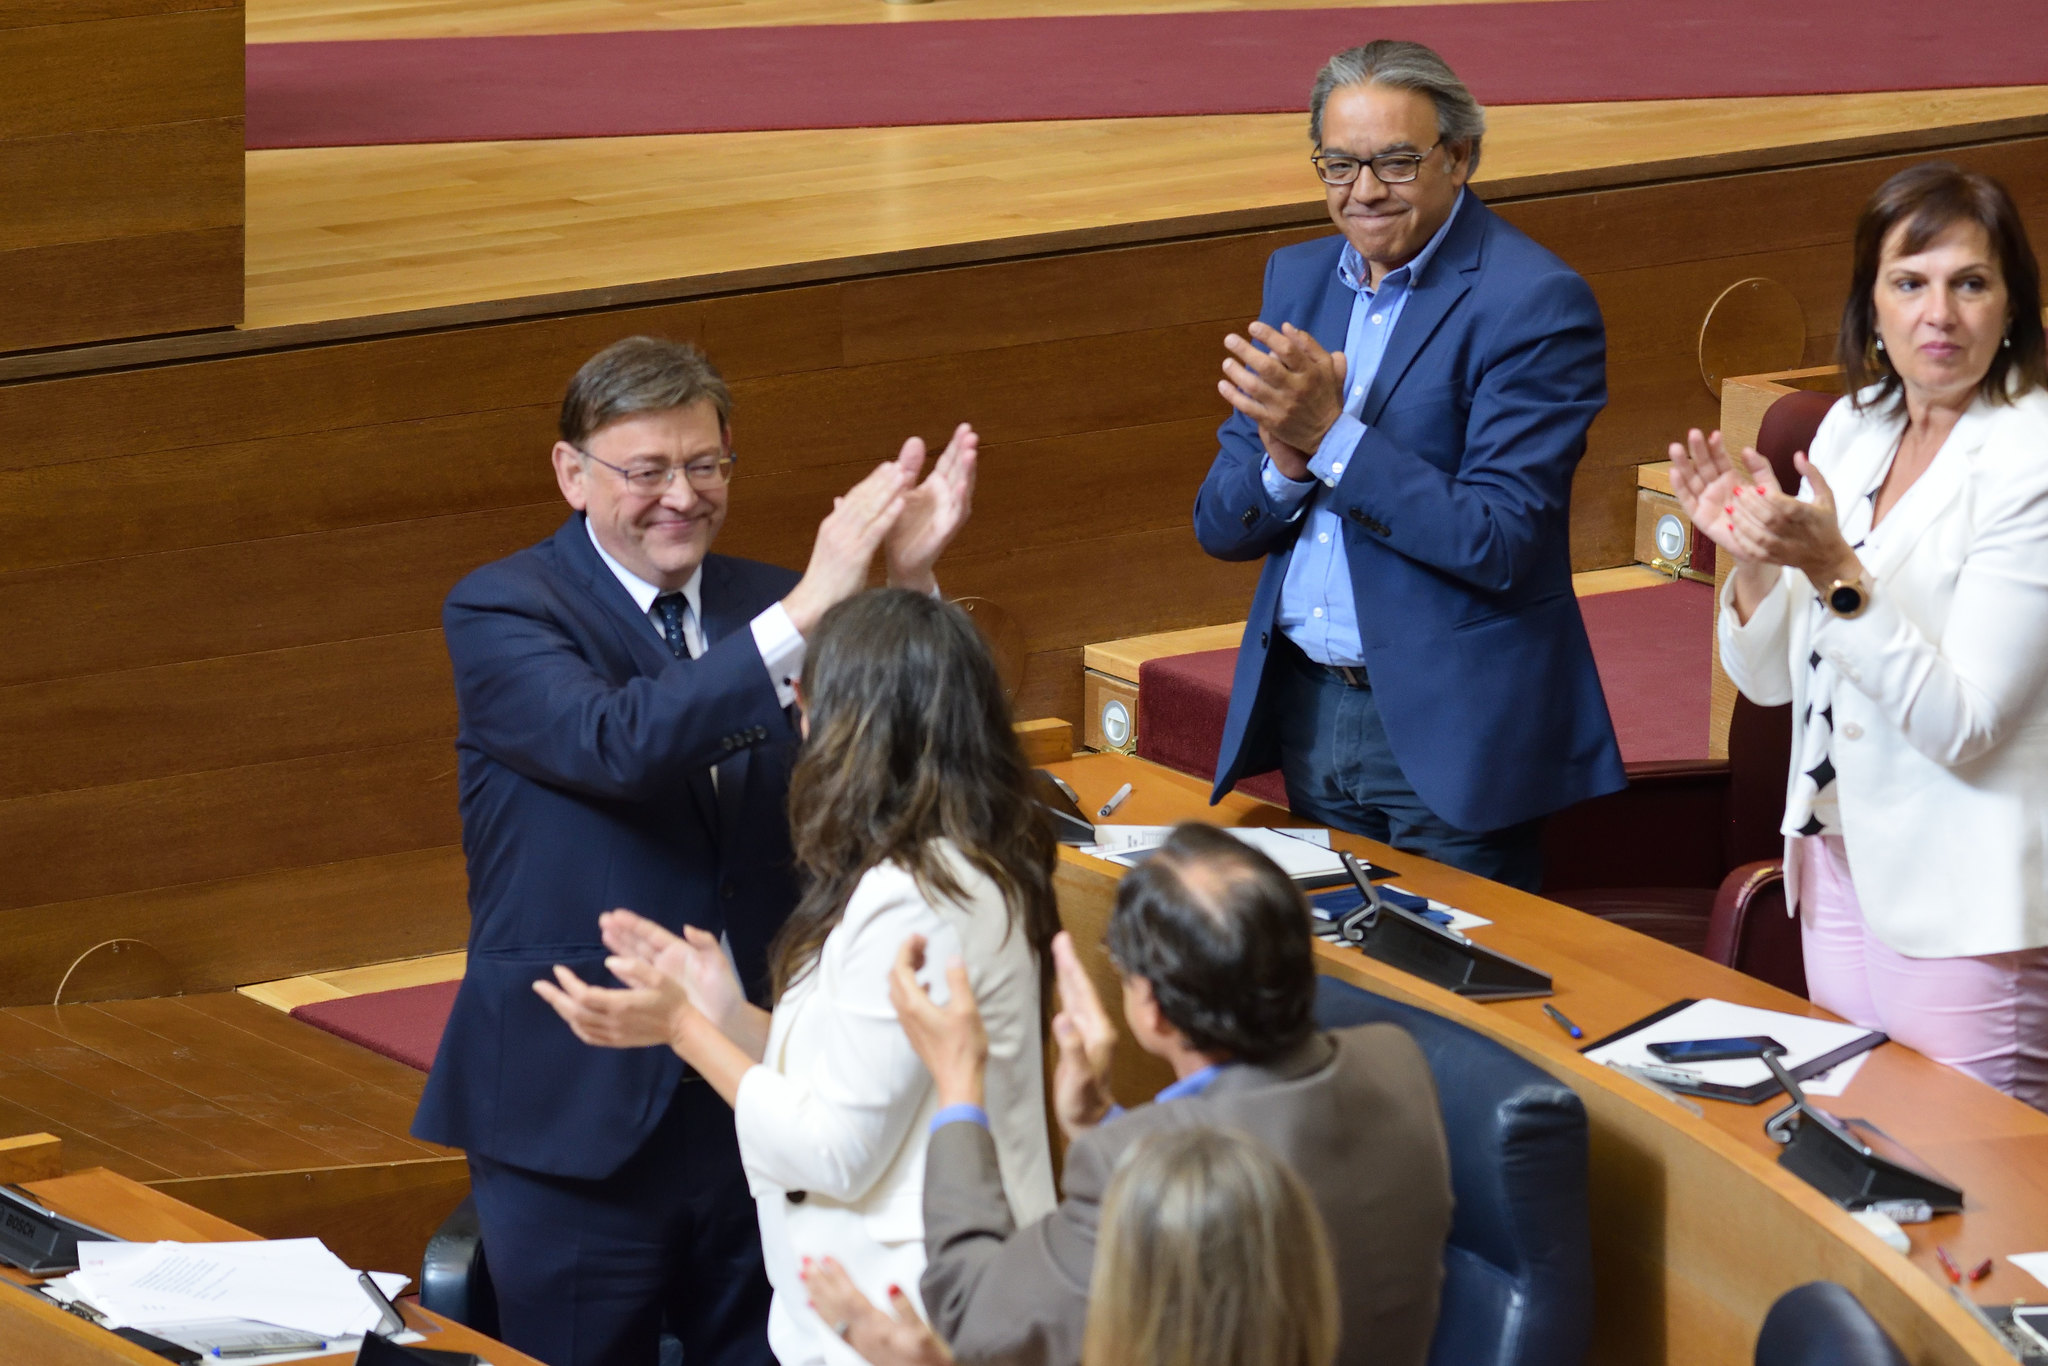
column 1354, row 1113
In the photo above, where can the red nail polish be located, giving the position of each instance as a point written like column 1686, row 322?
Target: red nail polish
column 895, row 1289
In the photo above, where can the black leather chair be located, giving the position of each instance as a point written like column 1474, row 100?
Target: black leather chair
column 1518, row 1271
column 453, row 1278
column 1822, row 1324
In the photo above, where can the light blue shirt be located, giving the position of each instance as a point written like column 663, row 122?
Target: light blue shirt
column 1316, row 607
column 1193, row 1084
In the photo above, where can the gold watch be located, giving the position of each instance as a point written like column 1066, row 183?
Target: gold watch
column 1846, row 598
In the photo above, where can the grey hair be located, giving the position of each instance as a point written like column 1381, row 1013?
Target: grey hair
column 1402, row 66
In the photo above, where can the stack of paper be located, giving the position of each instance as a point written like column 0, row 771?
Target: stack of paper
column 292, row 1282
column 1302, row 852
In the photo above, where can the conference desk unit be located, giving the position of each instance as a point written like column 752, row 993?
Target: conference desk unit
column 1696, row 1229
column 35, row 1332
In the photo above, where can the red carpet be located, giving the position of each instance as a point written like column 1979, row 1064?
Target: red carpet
column 1650, row 644
column 1117, row 66
column 404, row 1025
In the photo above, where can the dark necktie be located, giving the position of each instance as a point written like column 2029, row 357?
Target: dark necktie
column 671, row 607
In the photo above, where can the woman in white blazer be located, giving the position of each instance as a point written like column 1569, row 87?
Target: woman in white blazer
column 911, row 815
column 1900, row 604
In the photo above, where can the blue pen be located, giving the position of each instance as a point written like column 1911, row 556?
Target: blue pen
column 1562, row 1021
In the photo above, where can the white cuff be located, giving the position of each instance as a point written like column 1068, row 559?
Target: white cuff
column 782, row 650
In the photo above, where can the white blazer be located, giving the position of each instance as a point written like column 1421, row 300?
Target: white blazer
column 840, row 1107
column 1941, row 719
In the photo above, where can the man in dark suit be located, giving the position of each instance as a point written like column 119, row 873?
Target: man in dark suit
column 626, row 739
column 1410, row 408
column 1212, row 942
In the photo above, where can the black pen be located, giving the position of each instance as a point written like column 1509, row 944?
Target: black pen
column 1563, row 1021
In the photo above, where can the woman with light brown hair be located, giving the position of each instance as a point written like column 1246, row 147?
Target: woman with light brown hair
column 911, row 817
column 1211, row 1253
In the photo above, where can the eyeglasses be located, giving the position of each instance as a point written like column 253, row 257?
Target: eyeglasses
column 1390, row 168
column 706, row 474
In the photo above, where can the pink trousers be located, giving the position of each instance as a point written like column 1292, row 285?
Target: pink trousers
column 1985, row 1016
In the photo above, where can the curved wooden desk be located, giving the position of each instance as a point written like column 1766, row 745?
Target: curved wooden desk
column 1696, row 1230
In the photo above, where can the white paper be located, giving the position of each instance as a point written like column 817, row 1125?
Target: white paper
column 1804, row 1039
column 2035, row 1264
column 291, row 1282
column 1296, row 857
column 1122, row 839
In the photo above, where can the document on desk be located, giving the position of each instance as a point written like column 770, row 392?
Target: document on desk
column 1302, row 852
column 290, row 1282
column 2035, row 1264
column 1812, row 1047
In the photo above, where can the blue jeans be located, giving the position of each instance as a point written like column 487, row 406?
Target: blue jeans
column 1341, row 772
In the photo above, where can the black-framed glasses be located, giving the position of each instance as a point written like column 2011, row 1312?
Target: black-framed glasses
column 706, row 474
column 1389, row 168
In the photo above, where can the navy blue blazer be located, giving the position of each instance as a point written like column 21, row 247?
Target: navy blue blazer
column 1456, row 509
column 584, row 751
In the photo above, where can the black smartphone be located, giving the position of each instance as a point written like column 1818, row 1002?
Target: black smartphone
column 1713, row 1050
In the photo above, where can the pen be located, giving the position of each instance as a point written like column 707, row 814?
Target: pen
column 1563, row 1022
column 1114, row 802
column 1948, row 1265
column 1980, row 1271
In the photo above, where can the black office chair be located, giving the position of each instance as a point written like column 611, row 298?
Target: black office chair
column 454, row 1281
column 1518, row 1270
column 1822, row 1324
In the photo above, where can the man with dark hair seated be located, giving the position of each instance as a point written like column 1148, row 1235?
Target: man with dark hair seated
column 1213, row 944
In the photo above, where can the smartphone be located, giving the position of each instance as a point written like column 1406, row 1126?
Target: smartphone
column 1713, row 1050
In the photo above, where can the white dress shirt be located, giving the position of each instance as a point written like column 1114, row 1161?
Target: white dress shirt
column 775, row 635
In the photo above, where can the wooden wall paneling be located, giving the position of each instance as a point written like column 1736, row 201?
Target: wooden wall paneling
column 1051, row 686
column 25, row 13
column 311, row 389
column 229, row 823
column 376, row 1216
column 1082, row 294
column 121, row 287
column 160, row 178
column 129, row 128
column 122, row 72
column 250, row 929
column 1052, row 491
column 192, row 497
column 223, row 713
column 259, row 595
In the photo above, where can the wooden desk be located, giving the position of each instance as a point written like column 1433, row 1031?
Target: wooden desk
column 1696, row 1230
column 34, row 1332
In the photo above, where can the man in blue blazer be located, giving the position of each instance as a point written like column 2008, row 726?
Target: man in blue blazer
column 626, row 739
column 1409, row 411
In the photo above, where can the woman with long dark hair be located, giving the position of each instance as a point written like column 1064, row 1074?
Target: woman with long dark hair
column 911, row 816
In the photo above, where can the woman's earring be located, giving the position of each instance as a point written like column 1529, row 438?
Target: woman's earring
column 1880, row 346
column 2007, row 343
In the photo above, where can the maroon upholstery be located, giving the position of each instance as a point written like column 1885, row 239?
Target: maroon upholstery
column 1182, row 702
column 1749, row 931
column 1788, row 428
column 405, row 1024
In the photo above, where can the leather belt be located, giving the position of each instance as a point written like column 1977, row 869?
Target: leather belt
column 1350, row 676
